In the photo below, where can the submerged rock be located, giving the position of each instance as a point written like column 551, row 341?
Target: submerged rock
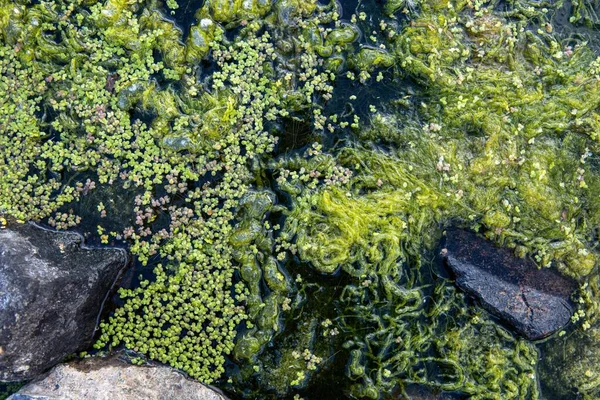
column 535, row 302
column 569, row 367
column 110, row 378
column 51, row 292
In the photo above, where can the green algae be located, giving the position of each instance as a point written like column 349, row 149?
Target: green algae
column 570, row 366
column 525, row 131
column 501, row 138
column 468, row 165
column 388, row 298
column 187, row 315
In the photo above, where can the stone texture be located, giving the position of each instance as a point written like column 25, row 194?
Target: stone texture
column 112, row 379
column 534, row 302
column 51, row 293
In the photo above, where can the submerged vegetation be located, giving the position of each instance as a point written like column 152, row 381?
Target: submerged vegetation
column 277, row 263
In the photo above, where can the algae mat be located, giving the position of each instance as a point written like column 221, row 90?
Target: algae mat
column 283, row 172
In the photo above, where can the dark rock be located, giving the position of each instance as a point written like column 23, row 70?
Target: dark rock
column 535, row 302
column 110, row 378
column 51, row 293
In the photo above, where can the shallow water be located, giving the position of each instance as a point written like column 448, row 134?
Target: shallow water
column 295, row 137
column 318, row 295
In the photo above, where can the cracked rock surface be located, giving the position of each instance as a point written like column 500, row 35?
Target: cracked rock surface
column 51, row 293
column 534, row 302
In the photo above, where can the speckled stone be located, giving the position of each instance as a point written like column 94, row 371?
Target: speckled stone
column 51, row 293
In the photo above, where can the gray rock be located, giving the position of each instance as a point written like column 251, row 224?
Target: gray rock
column 112, row 379
column 51, row 293
column 534, row 302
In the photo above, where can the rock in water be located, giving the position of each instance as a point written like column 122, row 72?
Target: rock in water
column 535, row 302
column 51, row 292
column 112, row 379
column 569, row 367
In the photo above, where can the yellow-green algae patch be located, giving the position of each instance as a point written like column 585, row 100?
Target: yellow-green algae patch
column 505, row 145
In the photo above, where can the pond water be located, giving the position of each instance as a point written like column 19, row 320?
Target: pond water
column 315, row 256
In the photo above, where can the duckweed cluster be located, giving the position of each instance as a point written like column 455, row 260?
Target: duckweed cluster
column 277, row 265
column 198, row 147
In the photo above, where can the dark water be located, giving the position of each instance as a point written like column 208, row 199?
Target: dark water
column 579, row 32
column 184, row 16
column 6, row 389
